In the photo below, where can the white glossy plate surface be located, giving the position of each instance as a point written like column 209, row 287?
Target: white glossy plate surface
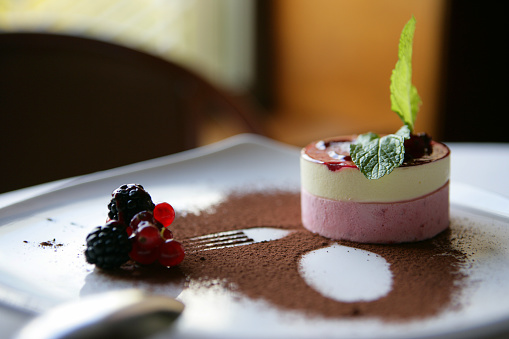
column 36, row 277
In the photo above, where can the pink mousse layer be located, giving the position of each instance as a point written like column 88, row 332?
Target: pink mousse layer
column 404, row 221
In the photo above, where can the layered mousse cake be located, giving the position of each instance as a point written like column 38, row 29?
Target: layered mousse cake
column 339, row 202
column 379, row 189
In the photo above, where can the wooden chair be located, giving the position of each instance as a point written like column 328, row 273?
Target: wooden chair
column 73, row 105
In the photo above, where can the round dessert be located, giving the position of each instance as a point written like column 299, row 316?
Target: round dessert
column 409, row 204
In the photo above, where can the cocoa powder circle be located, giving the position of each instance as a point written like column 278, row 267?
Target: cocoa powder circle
column 426, row 275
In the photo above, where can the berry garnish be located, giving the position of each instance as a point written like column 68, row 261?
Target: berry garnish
column 136, row 228
column 148, row 235
column 164, row 213
column 151, row 236
column 141, row 255
column 142, row 216
column 171, row 253
column 127, row 200
column 108, row 246
column 166, row 234
column 417, row 146
column 129, row 230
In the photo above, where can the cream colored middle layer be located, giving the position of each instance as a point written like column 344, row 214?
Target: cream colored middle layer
column 404, row 183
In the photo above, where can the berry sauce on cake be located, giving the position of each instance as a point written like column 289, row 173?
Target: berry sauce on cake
column 409, row 204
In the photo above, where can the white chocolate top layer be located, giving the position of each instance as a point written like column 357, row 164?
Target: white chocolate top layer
column 326, row 179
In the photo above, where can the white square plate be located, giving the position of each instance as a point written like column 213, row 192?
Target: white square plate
column 36, row 277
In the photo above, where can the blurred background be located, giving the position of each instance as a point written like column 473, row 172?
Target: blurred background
column 304, row 70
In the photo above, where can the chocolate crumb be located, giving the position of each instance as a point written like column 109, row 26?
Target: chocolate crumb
column 50, row 243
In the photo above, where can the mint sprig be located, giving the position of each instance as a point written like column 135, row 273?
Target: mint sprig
column 377, row 156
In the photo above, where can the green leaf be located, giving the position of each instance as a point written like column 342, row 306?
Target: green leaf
column 375, row 156
column 404, row 132
column 366, row 137
column 405, row 100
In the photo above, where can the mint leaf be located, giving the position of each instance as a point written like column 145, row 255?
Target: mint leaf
column 375, row 156
column 404, row 132
column 405, row 100
column 366, row 137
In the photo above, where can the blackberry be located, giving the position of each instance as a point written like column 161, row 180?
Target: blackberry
column 127, row 201
column 108, row 246
column 417, row 146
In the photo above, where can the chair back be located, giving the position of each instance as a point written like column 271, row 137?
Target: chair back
column 72, row 105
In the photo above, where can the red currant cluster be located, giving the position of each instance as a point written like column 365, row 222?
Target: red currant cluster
column 151, row 238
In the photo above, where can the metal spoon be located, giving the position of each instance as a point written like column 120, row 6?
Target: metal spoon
column 127, row 313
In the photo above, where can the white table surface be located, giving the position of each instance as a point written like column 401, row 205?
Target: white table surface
column 481, row 165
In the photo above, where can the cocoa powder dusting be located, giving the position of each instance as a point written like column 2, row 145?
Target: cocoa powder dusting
column 426, row 275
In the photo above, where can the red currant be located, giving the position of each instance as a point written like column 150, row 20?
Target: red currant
column 148, row 236
column 143, row 256
column 166, row 233
column 171, row 253
column 164, row 213
column 129, row 231
column 142, row 216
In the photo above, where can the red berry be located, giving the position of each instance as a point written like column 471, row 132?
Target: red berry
column 129, row 231
column 142, row 216
column 166, row 233
column 143, row 256
column 164, row 213
column 171, row 253
column 148, row 235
